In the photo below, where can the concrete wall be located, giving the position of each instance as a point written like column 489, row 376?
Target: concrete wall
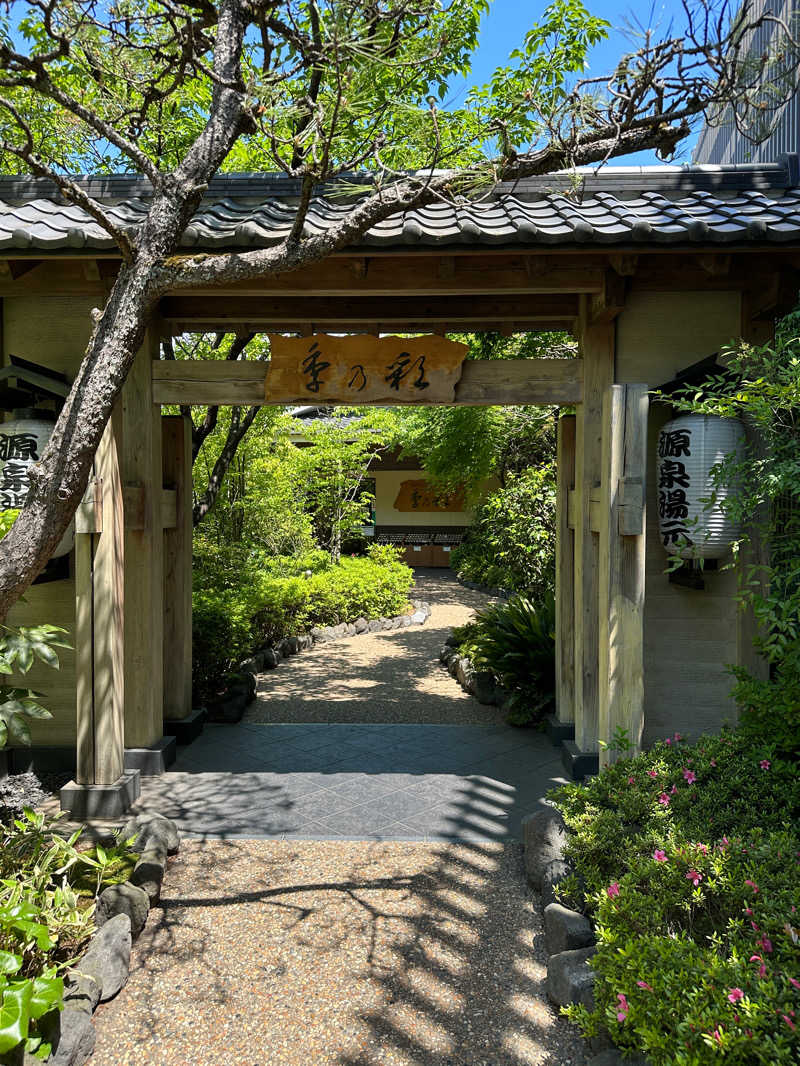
column 690, row 635
column 52, row 331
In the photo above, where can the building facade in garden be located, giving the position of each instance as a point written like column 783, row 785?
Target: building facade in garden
column 652, row 269
column 405, row 509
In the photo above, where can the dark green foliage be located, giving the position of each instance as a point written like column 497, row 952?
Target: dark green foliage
column 20, row 648
column 770, row 710
column 515, row 641
column 511, row 543
column 257, row 600
column 688, row 860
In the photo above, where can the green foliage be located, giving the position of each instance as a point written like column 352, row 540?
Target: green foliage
column 256, row 600
column 7, row 520
column 511, row 543
column 687, row 857
column 44, row 923
column 20, row 647
column 770, row 709
column 515, row 641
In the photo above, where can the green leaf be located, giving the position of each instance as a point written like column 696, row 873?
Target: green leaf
column 9, row 963
column 15, row 1016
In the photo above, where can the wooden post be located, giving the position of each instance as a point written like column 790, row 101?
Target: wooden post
column 177, row 466
column 597, row 342
column 622, row 566
column 144, row 548
column 99, row 636
column 565, row 572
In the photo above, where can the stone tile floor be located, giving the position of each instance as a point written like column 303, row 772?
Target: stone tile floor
column 348, row 781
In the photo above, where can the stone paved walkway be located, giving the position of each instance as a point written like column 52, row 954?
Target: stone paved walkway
column 435, row 766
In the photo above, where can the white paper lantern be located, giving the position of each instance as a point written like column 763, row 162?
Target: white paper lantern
column 21, row 445
column 689, row 447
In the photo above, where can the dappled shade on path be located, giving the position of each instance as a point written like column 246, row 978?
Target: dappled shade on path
column 337, row 954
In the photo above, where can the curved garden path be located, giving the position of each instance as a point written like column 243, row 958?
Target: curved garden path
column 392, row 676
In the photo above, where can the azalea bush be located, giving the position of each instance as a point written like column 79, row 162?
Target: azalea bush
column 687, row 857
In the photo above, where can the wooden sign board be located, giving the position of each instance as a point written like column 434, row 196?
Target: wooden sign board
column 363, row 369
column 419, row 495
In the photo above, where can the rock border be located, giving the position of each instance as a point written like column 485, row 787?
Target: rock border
column 481, row 684
column 120, row 915
column 569, row 936
column 489, row 590
column 231, row 705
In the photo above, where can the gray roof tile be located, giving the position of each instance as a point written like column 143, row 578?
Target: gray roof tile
column 617, row 205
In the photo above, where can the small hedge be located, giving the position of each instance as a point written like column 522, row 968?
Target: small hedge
column 688, row 859
column 276, row 597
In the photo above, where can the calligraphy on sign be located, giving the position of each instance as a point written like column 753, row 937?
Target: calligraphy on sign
column 418, row 495
column 363, row 369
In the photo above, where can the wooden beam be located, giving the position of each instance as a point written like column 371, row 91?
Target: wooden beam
column 169, row 508
column 228, row 310
column 624, row 264
column 177, row 472
column 622, row 567
column 89, row 514
column 565, row 572
column 606, row 305
column 597, row 344
column 484, row 382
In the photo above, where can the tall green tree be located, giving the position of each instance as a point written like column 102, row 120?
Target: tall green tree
column 316, row 89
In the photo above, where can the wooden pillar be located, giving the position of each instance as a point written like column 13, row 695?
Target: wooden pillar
column 597, row 343
column 144, row 549
column 99, row 636
column 565, row 572
column 177, row 467
column 622, row 566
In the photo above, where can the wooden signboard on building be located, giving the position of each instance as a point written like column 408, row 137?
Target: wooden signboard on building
column 363, row 369
column 419, row 495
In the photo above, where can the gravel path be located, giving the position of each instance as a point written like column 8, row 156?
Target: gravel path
column 285, row 953
column 391, row 676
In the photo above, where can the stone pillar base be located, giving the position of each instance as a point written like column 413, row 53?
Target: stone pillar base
column 152, row 761
column 558, row 732
column 101, row 801
column 578, row 764
column 187, row 729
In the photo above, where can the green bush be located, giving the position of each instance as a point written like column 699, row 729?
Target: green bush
column 687, row 858
column 511, row 543
column 770, row 710
column 267, row 599
column 515, row 641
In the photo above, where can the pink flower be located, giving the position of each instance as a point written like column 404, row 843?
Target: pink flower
column 663, row 799
column 766, row 944
column 717, row 1036
column 613, row 890
column 735, row 995
column 789, row 1022
column 673, row 790
column 644, row 984
column 622, row 1013
column 765, row 764
column 702, row 848
column 668, row 740
column 762, row 970
column 713, row 762
column 659, row 855
column 652, row 773
column 690, row 776
column 631, row 780
column 677, row 736
column 752, row 884
column 725, row 842
column 748, row 911
column 794, row 983
column 694, row 877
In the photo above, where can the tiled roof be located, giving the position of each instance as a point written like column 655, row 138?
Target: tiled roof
column 616, row 206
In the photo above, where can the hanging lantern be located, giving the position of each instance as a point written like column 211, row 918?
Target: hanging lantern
column 22, row 442
column 689, row 447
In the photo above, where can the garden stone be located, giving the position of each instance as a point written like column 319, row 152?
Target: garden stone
column 555, row 872
column 543, row 839
column 72, row 1035
column 149, row 870
column 374, row 625
column 150, row 825
column 123, row 899
column 565, row 930
column 109, row 956
column 501, row 695
column 452, row 665
column 484, row 686
column 81, row 992
column 271, row 659
column 418, row 617
column 452, row 641
column 569, row 978
column 361, row 625
column 316, row 632
column 464, row 671
column 283, row 648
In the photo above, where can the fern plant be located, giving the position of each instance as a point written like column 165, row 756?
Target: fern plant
column 515, row 641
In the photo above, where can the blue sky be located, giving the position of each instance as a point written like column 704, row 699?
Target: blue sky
column 507, row 21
